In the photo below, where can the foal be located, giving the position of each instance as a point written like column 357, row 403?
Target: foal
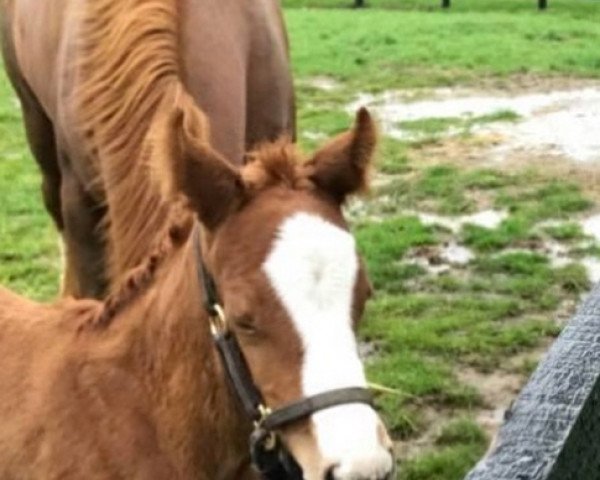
column 134, row 388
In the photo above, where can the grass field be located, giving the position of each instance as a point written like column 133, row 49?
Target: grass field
column 424, row 330
column 488, row 316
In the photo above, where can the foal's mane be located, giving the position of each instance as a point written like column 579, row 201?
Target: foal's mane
column 138, row 279
column 278, row 163
column 128, row 79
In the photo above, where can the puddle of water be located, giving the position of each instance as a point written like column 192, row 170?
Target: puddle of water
column 456, row 254
column 437, row 260
column 567, row 132
column 451, row 223
column 486, row 218
column 326, row 84
column 560, row 122
column 316, row 136
column 591, row 226
column 557, row 254
column 592, row 266
column 429, row 267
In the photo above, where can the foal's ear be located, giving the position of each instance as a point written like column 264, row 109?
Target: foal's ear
column 213, row 187
column 341, row 167
column 188, row 165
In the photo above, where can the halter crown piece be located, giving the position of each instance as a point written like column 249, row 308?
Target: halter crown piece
column 269, row 456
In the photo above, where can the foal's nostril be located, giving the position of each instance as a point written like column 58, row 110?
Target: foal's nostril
column 329, row 474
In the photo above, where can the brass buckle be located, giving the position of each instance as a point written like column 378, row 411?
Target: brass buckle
column 270, row 441
column 218, row 322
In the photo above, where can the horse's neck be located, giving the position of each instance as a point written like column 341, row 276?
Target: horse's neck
column 194, row 403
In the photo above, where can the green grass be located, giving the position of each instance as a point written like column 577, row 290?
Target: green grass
column 460, row 125
column 499, row 305
column 449, row 463
column 453, row 326
column 392, row 157
column 444, row 189
column 461, row 430
column 555, row 199
column 577, row 8
column 373, row 50
column 29, row 260
column 385, row 243
column 426, row 327
column 566, row 231
column 460, row 443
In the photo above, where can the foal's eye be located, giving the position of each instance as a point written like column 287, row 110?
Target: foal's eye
column 245, row 324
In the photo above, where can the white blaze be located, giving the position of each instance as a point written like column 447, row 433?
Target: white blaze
column 313, row 267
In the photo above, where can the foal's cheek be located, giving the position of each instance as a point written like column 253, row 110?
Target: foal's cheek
column 301, row 443
column 275, row 371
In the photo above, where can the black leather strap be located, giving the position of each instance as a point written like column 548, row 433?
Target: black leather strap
column 274, row 463
column 238, row 374
column 306, row 407
column 207, row 283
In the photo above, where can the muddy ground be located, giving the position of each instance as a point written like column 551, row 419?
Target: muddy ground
column 556, row 129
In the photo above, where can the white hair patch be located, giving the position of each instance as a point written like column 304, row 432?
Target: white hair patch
column 313, row 267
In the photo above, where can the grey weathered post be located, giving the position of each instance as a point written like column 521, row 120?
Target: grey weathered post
column 552, row 431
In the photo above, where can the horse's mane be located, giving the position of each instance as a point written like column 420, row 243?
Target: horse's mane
column 138, row 279
column 129, row 76
column 129, row 82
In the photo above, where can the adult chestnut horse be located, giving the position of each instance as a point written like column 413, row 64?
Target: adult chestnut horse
column 89, row 72
column 134, row 388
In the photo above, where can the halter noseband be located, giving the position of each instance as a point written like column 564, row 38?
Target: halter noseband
column 269, row 457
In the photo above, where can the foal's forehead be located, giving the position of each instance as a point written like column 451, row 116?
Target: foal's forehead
column 304, row 232
column 312, row 264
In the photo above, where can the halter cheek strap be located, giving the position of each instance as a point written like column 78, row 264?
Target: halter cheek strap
column 239, row 375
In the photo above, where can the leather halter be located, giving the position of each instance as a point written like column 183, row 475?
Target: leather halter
column 269, row 457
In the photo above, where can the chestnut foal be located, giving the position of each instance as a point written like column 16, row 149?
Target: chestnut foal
column 136, row 388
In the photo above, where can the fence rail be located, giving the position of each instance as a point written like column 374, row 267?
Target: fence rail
column 552, row 431
column 542, row 4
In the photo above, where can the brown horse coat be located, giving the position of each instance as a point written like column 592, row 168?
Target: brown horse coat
column 132, row 388
column 90, row 74
column 133, row 400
